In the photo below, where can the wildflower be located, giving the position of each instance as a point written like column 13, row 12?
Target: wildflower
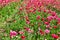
column 13, row 34
column 21, row 32
column 29, row 30
column 23, row 37
column 6, row 1
column 27, row 18
column 0, row 1
column 49, row 18
column 55, row 36
column 55, row 27
column 39, row 10
column 53, row 13
column 47, row 23
column 41, row 32
column 28, row 22
column 34, row 9
column 47, row 26
column 55, row 17
column 44, row 10
column 49, row 11
column 39, row 4
column 58, row 19
column 38, row 17
column 47, row 31
column 26, row 28
column 58, row 22
column 43, row 19
column 21, row 8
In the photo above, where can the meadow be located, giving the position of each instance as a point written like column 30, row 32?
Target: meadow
column 29, row 19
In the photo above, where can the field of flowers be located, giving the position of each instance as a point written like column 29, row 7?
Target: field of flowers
column 29, row 19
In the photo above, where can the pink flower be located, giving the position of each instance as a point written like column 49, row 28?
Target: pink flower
column 49, row 11
column 21, row 32
column 49, row 18
column 39, row 4
column 27, row 18
column 13, row 34
column 29, row 30
column 47, row 23
column 0, row 1
column 47, row 26
column 6, row 1
column 34, row 9
column 53, row 13
column 39, row 10
column 47, row 31
column 55, row 36
column 55, row 17
column 58, row 19
column 28, row 22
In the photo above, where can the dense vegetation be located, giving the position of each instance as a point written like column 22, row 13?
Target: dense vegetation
column 29, row 20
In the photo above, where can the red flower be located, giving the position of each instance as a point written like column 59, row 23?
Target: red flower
column 55, row 36
column 26, row 17
column 27, row 20
column 41, row 32
column 23, row 37
column 58, row 23
column 55, row 27
column 21, row 8
column 44, row 10
column 43, row 19
column 38, row 17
